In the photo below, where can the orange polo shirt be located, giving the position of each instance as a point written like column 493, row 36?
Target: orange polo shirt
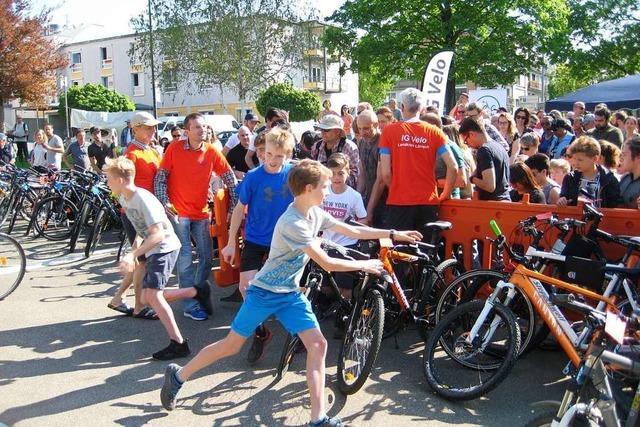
column 189, row 174
column 146, row 161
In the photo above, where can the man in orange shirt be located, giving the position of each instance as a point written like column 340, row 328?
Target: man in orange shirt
column 146, row 161
column 182, row 186
column 408, row 152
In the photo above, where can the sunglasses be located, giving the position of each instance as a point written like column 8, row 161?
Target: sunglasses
column 527, row 148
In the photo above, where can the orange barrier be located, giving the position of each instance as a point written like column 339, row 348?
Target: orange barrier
column 227, row 275
column 470, row 219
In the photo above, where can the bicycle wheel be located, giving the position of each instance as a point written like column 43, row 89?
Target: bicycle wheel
column 290, row 346
column 433, row 287
column 456, row 292
column 83, row 217
column 13, row 264
column 460, row 370
column 54, row 217
column 124, row 247
column 95, row 235
column 5, row 207
column 361, row 342
column 14, row 212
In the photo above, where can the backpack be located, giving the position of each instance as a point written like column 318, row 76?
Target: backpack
column 316, row 148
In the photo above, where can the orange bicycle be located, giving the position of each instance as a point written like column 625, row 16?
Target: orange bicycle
column 484, row 337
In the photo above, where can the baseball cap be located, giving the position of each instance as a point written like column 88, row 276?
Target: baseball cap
column 330, row 121
column 588, row 118
column 3, row 137
column 94, row 129
column 250, row 117
column 143, row 119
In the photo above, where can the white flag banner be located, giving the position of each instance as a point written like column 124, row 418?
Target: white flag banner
column 434, row 84
column 103, row 119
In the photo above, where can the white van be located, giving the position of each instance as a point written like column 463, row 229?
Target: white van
column 222, row 124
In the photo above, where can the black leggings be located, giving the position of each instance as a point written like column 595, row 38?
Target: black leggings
column 23, row 150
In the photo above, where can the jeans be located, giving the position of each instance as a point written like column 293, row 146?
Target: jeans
column 188, row 274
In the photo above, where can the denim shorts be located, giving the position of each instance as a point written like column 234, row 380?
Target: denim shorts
column 292, row 309
column 158, row 270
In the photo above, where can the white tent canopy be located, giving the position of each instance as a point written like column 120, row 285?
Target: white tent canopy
column 86, row 119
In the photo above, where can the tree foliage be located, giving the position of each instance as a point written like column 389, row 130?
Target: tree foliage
column 494, row 41
column 301, row 104
column 95, row 97
column 373, row 88
column 242, row 45
column 28, row 59
column 563, row 80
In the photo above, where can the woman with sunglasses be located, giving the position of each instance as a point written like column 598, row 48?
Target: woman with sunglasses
column 347, row 119
column 529, row 144
column 507, row 129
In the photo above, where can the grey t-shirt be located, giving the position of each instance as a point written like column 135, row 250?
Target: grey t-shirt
column 79, row 155
column 293, row 232
column 144, row 210
column 55, row 159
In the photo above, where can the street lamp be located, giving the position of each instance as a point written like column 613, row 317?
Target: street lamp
column 153, row 71
column 64, row 85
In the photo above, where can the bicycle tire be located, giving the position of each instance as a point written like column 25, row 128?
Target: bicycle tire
column 11, row 247
column 440, row 335
column 66, row 213
column 14, row 216
column 456, row 292
column 123, row 248
column 430, row 294
column 95, row 234
column 79, row 224
column 288, row 351
column 366, row 325
column 5, row 207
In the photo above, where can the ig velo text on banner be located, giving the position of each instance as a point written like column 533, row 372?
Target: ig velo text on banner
column 434, row 84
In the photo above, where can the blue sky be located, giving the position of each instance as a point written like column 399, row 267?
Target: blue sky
column 115, row 15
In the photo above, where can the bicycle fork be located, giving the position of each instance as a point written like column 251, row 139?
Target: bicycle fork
column 486, row 310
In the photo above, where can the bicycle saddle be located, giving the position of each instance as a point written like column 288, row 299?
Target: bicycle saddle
column 439, row 225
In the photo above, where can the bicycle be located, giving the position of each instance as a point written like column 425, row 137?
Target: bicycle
column 13, row 264
column 469, row 343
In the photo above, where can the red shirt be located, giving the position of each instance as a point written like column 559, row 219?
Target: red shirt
column 146, row 161
column 189, row 174
column 413, row 147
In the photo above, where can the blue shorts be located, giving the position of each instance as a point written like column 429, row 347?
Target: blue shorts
column 292, row 309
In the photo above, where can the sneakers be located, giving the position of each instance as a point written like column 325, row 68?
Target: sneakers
column 171, row 387
column 197, row 314
column 257, row 347
column 203, row 296
column 328, row 422
column 173, row 351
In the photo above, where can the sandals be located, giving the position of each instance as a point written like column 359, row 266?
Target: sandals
column 123, row 308
column 146, row 313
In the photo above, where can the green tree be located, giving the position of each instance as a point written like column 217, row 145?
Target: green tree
column 301, row 104
column 494, row 41
column 563, row 80
column 95, row 97
column 28, row 59
column 373, row 88
column 242, row 45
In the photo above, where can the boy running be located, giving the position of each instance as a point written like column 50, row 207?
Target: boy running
column 264, row 190
column 156, row 240
column 275, row 290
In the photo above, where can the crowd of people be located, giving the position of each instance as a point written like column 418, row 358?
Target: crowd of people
column 389, row 168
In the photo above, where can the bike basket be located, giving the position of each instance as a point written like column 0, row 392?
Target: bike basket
column 584, row 272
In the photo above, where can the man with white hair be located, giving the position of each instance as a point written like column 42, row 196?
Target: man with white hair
column 333, row 141
column 408, row 152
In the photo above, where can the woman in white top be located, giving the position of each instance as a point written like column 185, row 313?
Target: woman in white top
column 38, row 157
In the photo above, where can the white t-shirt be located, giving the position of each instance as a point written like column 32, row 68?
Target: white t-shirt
column 233, row 141
column 39, row 155
column 342, row 206
column 55, row 159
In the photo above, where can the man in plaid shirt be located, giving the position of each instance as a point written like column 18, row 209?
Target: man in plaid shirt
column 335, row 141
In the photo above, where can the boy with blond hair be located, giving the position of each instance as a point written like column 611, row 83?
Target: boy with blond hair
column 156, row 240
column 275, row 288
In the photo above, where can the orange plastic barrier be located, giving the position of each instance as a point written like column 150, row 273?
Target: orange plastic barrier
column 470, row 219
column 227, row 275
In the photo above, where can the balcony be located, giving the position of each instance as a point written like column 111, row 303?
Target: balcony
column 535, row 85
column 314, row 85
column 107, row 64
column 138, row 91
column 76, row 68
column 314, row 53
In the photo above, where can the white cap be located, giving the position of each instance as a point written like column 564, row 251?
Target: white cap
column 143, row 119
column 330, row 121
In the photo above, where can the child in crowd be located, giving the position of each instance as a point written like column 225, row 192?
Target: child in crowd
column 156, row 240
column 259, row 144
column 342, row 202
column 265, row 192
column 539, row 165
column 588, row 175
column 558, row 169
column 522, row 181
column 275, row 288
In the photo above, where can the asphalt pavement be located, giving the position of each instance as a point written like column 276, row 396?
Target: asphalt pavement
column 66, row 359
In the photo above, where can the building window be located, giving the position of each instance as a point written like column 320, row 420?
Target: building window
column 315, row 75
column 76, row 62
column 138, row 87
column 169, row 80
column 105, row 57
column 76, row 82
column 107, row 82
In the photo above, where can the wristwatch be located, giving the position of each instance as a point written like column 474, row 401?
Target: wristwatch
column 392, row 234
